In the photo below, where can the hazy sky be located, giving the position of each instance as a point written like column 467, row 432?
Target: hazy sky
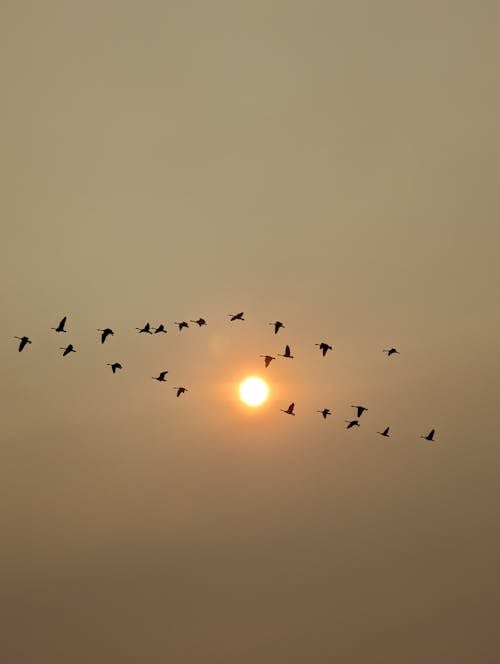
column 330, row 164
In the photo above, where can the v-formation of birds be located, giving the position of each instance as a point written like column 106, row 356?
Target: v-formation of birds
column 277, row 325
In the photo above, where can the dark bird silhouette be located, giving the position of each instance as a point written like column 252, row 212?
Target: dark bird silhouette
column 114, row 366
column 287, row 353
column 360, row 410
column 267, row 359
column 352, row 423
column 430, row 436
column 24, row 341
column 60, row 327
column 161, row 376
column 180, row 390
column 160, row 328
column 181, row 325
column 289, row 410
column 237, row 316
column 105, row 333
column 391, row 351
column 146, row 329
column 324, row 347
column 69, row 349
column 277, row 326
column 385, row 432
column 201, row 322
column 325, row 412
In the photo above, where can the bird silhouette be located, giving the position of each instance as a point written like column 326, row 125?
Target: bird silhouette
column 391, row 351
column 114, row 366
column 105, row 333
column 287, row 353
column 181, row 325
column 325, row 412
column 180, row 390
column 161, row 376
column 60, row 327
column 324, row 347
column 289, row 410
column 68, row 349
column 200, row 322
column 277, row 326
column 385, row 432
column 146, row 329
column 24, row 341
column 352, row 423
column 237, row 316
column 430, row 436
column 160, row 328
column 360, row 410
column 267, row 359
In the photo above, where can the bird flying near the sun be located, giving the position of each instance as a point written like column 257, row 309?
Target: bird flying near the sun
column 161, row 376
column 60, row 327
column 181, row 325
column 385, row 432
column 114, row 366
column 24, row 341
column 277, row 326
column 200, row 322
column 105, row 333
column 430, row 436
column 390, row 351
column 360, row 410
column 146, row 329
column 180, row 390
column 289, row 410
column 352, row 423
column 68, row 349
column 324, row 347
column 287, row 353
column 238, row 316
column 267, row 359
column 325, row 412
column 160, row 328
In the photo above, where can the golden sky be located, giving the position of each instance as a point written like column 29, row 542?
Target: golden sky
column 333, row 165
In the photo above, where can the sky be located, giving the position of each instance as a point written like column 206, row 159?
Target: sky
column 333, row 165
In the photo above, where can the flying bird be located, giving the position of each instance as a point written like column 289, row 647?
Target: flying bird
column 430, row 436
column 287, row 353
column 200, row 321
column 69, row 349
column 180, row 390
column 105, row 333
column 60, row 327
column 277, row 326
column 324, row 347
column 161, row 376
column 385, row 432
column 391, row 351
column 114, row 366
column 237, row 316
column 289, row 410
column 267, row 359
column 352, row 423
column 160, row 328
column 24, row 341
column 325, row 412
column 181, row 325
column 360, row 410
column 146, row 329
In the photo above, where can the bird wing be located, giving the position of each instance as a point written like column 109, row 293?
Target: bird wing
column 386, row 431
column 62, row 322
column 431, row 433
column 291, row 407
column 22, row 344
column 287, row 350
column 163, row 374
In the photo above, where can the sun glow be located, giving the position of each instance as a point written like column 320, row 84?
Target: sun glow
column 253, row 391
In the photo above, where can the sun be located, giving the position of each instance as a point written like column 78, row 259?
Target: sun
column 253, row 391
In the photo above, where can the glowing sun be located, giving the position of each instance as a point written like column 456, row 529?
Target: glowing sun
column 253, row 391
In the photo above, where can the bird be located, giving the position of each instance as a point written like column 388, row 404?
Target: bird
column 236, row 316
column 105, row 333
column 180, row 390
column 161, row 376
column 360, row 410
column 114, row 366
column 352, row 423
column 69, row 349
column 325, row 412
column 391, row 351
column 181, row 325
column 287, row 353
column 385, row 432
column 200, row 321
column 324, row 347
column 60, row 327
column 289, row 410
column 24, row 341
column 277, row 326
column 267, row 359
column 160, row 328
column 430, row 436
column 146, row 329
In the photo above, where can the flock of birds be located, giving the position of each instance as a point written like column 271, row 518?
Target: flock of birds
column 278, row 325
